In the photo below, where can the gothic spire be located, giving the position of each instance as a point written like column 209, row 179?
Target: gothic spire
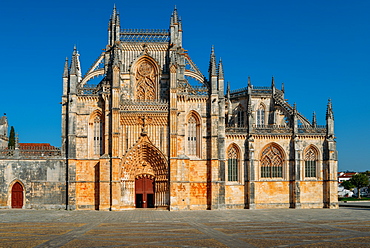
column 212, row 63
column 330, row 120
column 75, row 64
column 272, row 82
column 314, row 121
column 329, row 111
column 66, row 71
column 174, row 16
column 249, row 82
column 114, row 29
column 220, row 70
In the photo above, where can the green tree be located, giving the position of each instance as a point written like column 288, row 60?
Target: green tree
column 359, row 181
column 347, row 185
column 11, row 143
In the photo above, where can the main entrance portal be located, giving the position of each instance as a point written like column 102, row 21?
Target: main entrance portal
column 144, row 191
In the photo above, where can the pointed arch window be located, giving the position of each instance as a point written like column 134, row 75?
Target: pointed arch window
column 232, row 164
column 193, row 136
column 98, row 135
column 240, row 118
column 310, row 162
column 261, row 115
column 272, row 162
column 146, row 81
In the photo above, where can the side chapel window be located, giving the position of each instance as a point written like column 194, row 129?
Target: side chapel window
column 310, row 162
column 98, row 135
column 192, row 136
column 232, row 164
column 272, row 162
column 261, row 115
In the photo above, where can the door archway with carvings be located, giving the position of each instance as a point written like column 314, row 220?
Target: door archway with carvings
column 144, row 176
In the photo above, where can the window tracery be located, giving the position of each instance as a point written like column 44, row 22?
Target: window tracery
column 232, row 164
column 272, row 162
column 310, row 158
column 146, row 87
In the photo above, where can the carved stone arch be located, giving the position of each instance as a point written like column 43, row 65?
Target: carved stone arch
column 144, row 159
column 259, row 105
column 145, row 73
column 314, row 149
column 195, row 114
column 20, row 193
column 275, row 145
column 272, row 161
column 94, row 114
column 236, row 147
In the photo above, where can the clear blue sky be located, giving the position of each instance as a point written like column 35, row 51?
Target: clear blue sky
column 319, row 49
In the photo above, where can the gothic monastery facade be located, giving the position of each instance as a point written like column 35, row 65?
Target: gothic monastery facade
column 145, row 128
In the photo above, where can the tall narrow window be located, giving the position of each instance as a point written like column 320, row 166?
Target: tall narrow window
column 240, row 118
column 310, row 158
column 261, row 115
column 232, row 164
column 192, row 136
column 98, row 131
column 272, row 162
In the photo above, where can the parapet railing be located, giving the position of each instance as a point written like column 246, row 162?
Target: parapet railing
column 147, row 106
column 30, row 152
column 259, row 129
column 145, row 35
column 312, row 129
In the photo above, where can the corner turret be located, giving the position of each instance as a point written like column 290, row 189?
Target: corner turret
column 175, row 29
column 330, row 119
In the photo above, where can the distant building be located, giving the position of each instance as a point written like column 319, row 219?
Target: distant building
column 144, row 128
column 345, row 176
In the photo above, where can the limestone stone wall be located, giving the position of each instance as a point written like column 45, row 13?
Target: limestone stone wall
column 43, row 182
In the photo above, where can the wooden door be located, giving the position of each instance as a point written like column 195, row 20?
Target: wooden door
column 17, row 195
column 144, row 192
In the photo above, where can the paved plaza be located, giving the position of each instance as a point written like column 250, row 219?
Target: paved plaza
column 344, row 227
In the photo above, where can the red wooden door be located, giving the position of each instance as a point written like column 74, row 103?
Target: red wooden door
column 17, row 195
column 144, row 192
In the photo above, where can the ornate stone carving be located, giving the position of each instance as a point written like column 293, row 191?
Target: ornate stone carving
column 146, row 87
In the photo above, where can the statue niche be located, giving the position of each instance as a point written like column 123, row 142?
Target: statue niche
column 146, row 81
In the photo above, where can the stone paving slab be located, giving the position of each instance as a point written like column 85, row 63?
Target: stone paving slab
column 345, row 227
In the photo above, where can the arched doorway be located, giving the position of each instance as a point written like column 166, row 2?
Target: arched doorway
column 17, row 195
column 144, row 160
column 144, row 191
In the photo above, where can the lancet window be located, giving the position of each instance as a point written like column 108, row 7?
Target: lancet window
column 240, row 118
column 310, row 162
column 193, row 136
column 272, row 162
column 98, row 135
column 232, row 164
column 261, row 115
